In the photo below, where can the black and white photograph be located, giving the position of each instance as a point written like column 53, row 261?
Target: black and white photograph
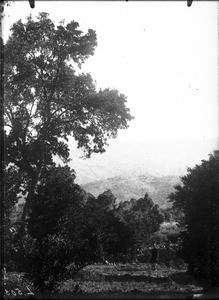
column 109, row 149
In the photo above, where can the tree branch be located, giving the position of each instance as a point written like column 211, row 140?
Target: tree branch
column 8, row 125
column 26, row 127
column 65, row 121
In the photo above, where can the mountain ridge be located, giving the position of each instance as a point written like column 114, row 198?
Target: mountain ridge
column 127, row 187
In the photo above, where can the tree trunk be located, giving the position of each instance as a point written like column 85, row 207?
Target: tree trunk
column 21, row 230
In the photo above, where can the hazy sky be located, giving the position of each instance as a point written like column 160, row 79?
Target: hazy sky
column 164, row 57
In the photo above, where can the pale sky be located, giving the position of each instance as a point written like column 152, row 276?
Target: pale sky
column 164, row 57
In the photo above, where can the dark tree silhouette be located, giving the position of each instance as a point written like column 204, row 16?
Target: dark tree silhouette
column 143, row 217
column 47, row 98
column 198, row 199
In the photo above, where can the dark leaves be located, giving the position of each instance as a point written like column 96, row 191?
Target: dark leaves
column 197, row 198
column 44, row 98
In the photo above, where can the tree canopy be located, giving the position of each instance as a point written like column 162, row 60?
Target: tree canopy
column 143, row 216
column 47, row 98
column 66, row 226
column 197, row 198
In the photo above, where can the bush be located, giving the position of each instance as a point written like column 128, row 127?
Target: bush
column 46, row 262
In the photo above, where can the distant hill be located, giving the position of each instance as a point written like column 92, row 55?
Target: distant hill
column 125, row 188
column 128, row 158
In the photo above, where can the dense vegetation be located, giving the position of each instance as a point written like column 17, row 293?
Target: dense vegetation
column 63, row 228
column 66, row 226
column 47, row 98
column 197, row 204
column 129, row 186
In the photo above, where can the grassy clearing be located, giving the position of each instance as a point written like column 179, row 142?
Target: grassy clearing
column 121, row 281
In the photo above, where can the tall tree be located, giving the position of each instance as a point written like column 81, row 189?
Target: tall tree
column 198, row 199
column 47, row 98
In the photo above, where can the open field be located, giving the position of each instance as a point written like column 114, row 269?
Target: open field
column 119, row 281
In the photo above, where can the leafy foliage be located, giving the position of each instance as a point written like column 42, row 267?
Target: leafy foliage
column 68, row 226
column 143, row 217
column 56, row 193
column 198, row 198
column 50, row 249
column 48, row 98
column 102, row 234
column 47, row 259
column 12, row 183
column 12, row 189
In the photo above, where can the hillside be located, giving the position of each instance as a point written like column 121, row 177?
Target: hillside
column 125, row 188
